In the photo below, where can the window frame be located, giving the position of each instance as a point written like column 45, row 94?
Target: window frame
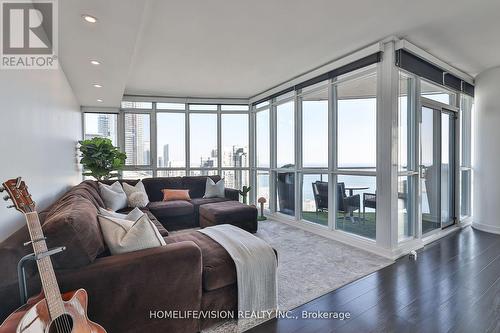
column 153, row 113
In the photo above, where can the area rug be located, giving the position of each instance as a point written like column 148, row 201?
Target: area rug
column 309, row 266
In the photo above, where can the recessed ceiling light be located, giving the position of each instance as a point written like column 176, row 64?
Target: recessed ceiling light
column 99, row 100
column 89, row 18
column 96, row 85
column 95, row 62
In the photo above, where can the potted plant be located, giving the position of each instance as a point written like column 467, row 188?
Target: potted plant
column 244, row 193
column 100, row 158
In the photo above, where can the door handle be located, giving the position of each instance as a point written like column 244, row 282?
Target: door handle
column 423, row 171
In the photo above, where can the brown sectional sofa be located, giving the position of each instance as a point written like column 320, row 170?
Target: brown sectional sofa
column 191, row 273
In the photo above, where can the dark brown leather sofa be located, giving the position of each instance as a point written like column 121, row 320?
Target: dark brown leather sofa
column 191, row 273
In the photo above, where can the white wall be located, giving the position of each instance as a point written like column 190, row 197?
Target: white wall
column 40, row 122
column 487, row 152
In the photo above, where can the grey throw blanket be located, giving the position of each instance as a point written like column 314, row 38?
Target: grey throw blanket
column 256, row 266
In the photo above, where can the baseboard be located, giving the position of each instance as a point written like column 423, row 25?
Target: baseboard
column 486, row 228
column 340, row 236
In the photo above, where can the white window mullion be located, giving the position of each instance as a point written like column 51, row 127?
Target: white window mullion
column 332, row 155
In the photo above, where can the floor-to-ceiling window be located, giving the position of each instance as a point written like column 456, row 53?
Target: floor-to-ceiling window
column 262, row 139
column 314, row 109
column 356, row 142
column 285, row 172
column 407, row 168
column 317, row 147
column 166, row 139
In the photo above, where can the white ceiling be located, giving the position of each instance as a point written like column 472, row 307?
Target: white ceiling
column 237, row 48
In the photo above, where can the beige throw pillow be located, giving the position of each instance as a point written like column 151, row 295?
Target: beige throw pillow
column 113, row 196
column 122, row 236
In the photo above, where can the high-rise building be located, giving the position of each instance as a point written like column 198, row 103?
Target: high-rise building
column 166, row 157
column 106, row 127
column 134, row 140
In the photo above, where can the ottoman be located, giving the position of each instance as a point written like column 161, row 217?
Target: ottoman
column 229, row 212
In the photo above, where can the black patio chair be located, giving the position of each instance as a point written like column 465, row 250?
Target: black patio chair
column 347, row 205
column 320, row 191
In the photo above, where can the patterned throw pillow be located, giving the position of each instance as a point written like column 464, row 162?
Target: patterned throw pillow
column 139, row 201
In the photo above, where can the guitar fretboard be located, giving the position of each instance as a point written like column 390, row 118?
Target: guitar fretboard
column 45, row 269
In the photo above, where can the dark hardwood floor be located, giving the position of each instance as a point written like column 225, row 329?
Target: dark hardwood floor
column 454, row 286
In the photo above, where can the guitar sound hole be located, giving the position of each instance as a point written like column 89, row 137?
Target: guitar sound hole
column 62, row 324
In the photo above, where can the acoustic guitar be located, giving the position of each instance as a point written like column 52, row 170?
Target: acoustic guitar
column 50, row 312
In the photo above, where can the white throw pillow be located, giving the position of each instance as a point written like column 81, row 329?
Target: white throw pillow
column 122, row 236
column 139, row 187
column 113, row 196
column 133, row 215
column 138, row 199
column 213, row 190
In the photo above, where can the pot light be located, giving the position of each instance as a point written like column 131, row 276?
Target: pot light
column 89, row 18
column 96, row 85
column 99, row 100
column 95, row 62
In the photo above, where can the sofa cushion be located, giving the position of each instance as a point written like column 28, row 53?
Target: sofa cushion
column 228, row 211
column 73, row 223
column 218, row 266
column 196, row 185
column 202, row 201
column 171, row 208
column 153, row 219
column 154, row 186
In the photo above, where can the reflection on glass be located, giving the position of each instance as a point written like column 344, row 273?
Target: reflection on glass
column 285, row 132
column 429, row 172
column 171, row 147
column 137, row 105
column 356, row 205
column 170, row 173
column 466, row 193
column 405, row 207
column 446, row 172
column 235, row 178
column 203, row 140
column 137, row 174
column 262, row 138
column 315, row 129
column 405, row 123
column 102, row 125
column 262, row 189
column 437, row 93
column 356, row 123
column 315, row 198
column 234, row 128
column 137, row 139
column 286, row 192
column 203, row 172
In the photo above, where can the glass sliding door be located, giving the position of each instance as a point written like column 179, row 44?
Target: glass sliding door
column 437, row 168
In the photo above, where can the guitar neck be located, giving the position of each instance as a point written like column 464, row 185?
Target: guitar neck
column 49, row 282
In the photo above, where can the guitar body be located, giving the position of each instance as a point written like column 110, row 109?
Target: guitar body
column 49, row 312
column 34, row 317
